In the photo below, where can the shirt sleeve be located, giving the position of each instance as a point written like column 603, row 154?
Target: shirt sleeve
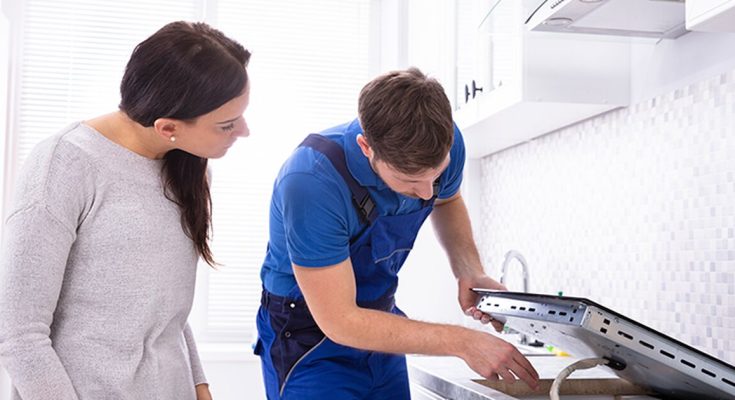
column 51, row 198
column 315, row 219
column 34, row 255
column 452, row 177
column 197, row 371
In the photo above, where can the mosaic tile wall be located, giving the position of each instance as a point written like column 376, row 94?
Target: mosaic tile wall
column 634, row 209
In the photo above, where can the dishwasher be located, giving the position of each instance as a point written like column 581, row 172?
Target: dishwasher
column 634, row 352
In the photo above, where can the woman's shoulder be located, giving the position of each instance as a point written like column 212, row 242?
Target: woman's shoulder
column 69, row 144
column 56, row 161
column 60, row 155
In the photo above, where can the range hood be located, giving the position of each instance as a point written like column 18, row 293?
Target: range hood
column 635, row 18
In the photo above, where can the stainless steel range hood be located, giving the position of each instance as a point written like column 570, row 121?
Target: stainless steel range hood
column 635, row 18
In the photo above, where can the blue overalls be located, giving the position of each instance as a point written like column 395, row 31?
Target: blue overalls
column 299, row 361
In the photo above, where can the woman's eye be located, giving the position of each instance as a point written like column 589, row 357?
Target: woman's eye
column 228, row 127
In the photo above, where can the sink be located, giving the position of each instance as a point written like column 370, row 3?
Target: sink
column 451, row 378
column 589, row 384
column 603, row 387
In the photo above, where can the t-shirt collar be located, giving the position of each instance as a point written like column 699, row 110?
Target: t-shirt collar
column 358, row 163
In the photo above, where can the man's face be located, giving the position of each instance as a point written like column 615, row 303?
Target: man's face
column 419, row 185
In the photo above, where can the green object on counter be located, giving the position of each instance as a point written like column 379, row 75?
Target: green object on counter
column 558, row 352
column 560, row 293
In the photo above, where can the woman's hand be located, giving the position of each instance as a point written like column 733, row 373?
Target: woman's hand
column 468, row 298
column 203, row 392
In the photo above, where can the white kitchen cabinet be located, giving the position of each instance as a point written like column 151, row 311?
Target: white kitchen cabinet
column 472, row 51
column 710, row 15
column 532, row 82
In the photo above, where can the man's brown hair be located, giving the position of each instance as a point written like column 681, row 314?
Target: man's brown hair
column 407, row 120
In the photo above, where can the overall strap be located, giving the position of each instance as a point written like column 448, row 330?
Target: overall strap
column 360, row 196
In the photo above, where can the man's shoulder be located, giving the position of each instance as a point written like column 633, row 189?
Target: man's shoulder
column 309, row 173
column 305, row 160
column 458, row 138
column 458, row 148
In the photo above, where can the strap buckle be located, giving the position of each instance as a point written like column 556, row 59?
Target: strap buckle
column 366, row 206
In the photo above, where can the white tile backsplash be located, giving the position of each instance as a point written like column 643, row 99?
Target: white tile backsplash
column 634, row 209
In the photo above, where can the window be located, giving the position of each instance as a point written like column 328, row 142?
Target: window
column 71, row 58
column 310, row 59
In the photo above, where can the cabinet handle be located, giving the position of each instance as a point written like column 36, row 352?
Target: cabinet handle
column 475, row 89
column 467, row 92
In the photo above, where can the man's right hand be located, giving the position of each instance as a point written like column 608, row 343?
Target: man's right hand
column 493, row 357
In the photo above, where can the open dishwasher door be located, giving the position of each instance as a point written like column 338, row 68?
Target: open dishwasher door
column 636, row 352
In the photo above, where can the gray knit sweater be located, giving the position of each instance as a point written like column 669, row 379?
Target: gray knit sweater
column 96, row 277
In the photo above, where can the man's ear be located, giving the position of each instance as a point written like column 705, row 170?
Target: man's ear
column 166, row 128
column 364, row 146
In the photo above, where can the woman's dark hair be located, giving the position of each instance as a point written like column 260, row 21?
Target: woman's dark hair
column 183, row 71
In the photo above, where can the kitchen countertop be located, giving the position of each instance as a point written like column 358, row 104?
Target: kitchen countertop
column 451, row 378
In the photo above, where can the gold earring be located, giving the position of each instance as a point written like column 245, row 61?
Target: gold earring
column 172, row 138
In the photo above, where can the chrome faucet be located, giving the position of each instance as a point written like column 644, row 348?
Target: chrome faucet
column 509, row 256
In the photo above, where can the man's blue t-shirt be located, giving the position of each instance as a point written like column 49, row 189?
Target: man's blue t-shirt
column 312, row 217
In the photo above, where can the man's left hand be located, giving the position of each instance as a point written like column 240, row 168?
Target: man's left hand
column 468, row 298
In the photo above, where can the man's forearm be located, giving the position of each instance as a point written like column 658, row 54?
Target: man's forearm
column 451, row 223
column 389, row 333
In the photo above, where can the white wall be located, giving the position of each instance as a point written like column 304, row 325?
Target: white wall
column 634, row 209
column 233, row 372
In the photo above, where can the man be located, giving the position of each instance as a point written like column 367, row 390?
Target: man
column 346, row 208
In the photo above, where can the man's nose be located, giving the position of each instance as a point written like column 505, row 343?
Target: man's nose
column 426, row 190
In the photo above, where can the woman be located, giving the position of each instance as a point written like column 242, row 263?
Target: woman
column 110, row 217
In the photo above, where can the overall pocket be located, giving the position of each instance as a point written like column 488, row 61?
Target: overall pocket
column 296, row 333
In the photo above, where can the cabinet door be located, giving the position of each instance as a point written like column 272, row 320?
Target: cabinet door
column 489, row 46
column 470, row 49
column 430, row 39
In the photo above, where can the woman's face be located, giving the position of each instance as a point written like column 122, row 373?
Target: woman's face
column 212, row 134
